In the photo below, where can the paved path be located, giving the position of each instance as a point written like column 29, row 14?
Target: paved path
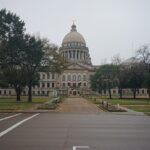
column 79, row 105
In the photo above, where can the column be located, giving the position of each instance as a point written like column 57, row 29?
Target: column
column 72, row 54
column 81, row 55
column 67, row 54
column 76, row 54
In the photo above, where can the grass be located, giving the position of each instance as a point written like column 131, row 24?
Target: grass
column 147, row 113
column 140, row 108
column 115, row 101
column 128, row 101
column 10, row 104
column 141, row 105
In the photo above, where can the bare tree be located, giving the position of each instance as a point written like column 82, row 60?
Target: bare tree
column 121, row 77
column 116, row 59
column 144, row 55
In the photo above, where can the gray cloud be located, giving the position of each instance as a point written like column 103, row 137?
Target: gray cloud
column 108, row 26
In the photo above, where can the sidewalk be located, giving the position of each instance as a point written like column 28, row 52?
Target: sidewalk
column 79, row 105
column 131, row 112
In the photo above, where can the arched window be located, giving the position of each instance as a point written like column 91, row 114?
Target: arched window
column 69, row 77
column 79, row 78
column 74, row 77
column 63, row 78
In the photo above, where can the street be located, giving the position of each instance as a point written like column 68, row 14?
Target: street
column 65, row 131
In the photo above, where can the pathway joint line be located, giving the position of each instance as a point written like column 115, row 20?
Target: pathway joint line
column 16, row 125
column 10, row 117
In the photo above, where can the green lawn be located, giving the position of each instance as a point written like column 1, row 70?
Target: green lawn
column 129, row 101
column 124, row 101
column 10, row 104
column 141, row 105
column 140, row 108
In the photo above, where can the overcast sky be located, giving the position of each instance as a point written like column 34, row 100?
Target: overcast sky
column 108, row 26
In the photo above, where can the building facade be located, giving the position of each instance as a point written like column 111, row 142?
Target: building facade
column 75, row 79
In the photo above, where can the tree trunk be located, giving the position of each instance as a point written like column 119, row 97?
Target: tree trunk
column 109, row 91
column 134, row 93
column 18, row 93
column 30, row 92
column 18, row 97
column 148, row 91
column 120, row 93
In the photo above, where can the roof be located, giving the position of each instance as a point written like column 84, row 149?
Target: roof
column 73, row 36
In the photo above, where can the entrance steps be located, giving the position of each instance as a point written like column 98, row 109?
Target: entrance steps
column 74, row 96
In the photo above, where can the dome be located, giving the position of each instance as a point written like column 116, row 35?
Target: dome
column 73, row 36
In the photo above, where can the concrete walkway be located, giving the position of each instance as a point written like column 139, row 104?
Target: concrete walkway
column 131, row 112
column 79, row 105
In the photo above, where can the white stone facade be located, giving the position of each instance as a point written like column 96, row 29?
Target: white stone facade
column 75, row 79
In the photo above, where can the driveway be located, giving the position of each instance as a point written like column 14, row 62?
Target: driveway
column 78, row 105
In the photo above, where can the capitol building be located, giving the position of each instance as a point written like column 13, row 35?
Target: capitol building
column 75, row 79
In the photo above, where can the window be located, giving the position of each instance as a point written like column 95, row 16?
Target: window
column 43, row 92
column 43, row 76
column 38, row 92
column 69, row 84
column 48, row 85
column 69, row 77
column 79, row 78
column 114, row 92
column 74, row 77
column 84, row 84
column 64, row 84
column 9, row 92
column 43, row 84
column 142, row 91
column 74, row 85
column 63, row 78
column 53, row 85
column 4, row 92
column 24, row 92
